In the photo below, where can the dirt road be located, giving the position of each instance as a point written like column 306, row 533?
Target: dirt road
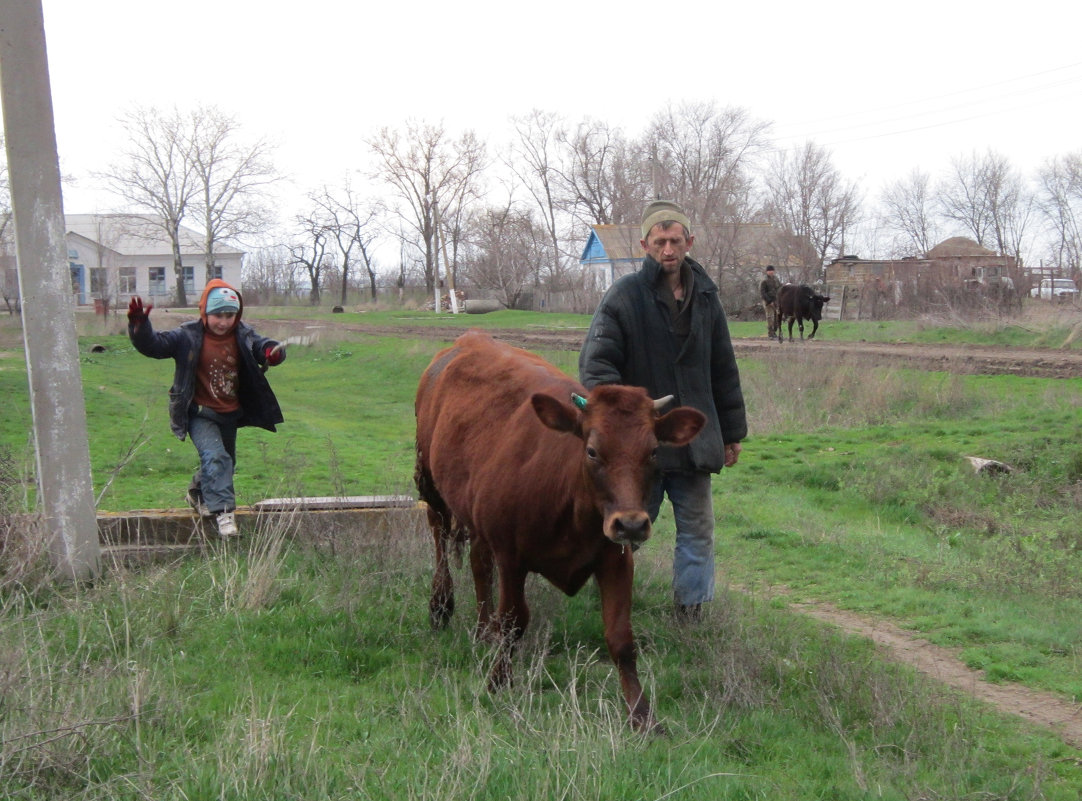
column 971, row 359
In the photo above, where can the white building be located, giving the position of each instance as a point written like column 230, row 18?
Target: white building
column 115, row 256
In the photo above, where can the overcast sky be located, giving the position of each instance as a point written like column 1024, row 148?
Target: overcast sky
column 885, row 89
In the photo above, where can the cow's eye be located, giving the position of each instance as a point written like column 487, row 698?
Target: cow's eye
column 591, row 453
column 653, row 455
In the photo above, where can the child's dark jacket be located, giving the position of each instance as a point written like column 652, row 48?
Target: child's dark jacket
column 259, row 406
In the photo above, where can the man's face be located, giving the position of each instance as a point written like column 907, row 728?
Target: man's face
column 221, row 323
column 667, row 246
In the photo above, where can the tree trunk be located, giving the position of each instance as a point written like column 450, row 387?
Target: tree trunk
column 178, row 272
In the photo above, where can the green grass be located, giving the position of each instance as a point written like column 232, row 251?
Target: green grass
column 163, row 684
column 308, row 674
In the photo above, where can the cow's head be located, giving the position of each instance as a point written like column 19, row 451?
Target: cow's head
column 621, row 428
column 817, row 306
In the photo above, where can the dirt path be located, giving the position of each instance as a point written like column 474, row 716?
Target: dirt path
column 1045, row 709
column 1057, row 713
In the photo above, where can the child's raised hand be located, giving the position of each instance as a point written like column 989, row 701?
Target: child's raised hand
column 137, row 313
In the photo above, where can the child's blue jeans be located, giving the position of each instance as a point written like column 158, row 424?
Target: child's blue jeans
column 215, row 437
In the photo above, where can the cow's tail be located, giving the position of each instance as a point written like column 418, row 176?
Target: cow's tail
column 452, row 535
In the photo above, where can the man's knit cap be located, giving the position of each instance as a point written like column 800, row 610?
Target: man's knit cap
column 663, row 211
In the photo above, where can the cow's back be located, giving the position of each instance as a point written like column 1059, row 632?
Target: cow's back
column 477, row 432
column 793, row 300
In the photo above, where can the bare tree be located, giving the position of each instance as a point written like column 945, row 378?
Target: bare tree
column 1060, row 198
column 910, row 214
column 351, row 224
column 453, row 211
column 509, row 250
column 231, row 176
column 810, row 199
column 593, row 164
column 428, row 173
column 156, row 173
column 702, row 157
column 268, row 273
column 532, row 160
column 309, row 250
column 987, row 197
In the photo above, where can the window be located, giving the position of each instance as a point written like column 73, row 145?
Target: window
column 156, row 276
column 125, row 281
column 214, row 272
column 99, row 282
column 189, row 279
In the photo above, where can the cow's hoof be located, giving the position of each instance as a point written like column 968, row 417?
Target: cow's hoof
column 439, row 614
column 648, row 725
column 499, row 680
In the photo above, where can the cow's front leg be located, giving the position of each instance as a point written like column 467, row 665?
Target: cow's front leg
column 614, row 580
column 512, row 618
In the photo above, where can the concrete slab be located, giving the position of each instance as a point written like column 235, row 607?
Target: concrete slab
column 364, row 521
column 336, row 502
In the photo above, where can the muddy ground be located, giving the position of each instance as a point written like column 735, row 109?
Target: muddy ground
column 971, row 359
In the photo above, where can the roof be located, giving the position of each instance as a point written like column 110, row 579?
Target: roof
column 754, row 242
column 617, row 243
column 958, row 246
column 135, row 234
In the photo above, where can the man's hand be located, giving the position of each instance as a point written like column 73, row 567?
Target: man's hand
column 732, row 453
column 137, row 313
column 275, row 355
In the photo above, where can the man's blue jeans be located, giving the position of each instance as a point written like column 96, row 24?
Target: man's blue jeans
column 215, row 437
column 693, row 510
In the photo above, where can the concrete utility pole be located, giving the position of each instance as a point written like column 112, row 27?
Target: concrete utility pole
column 48, row 311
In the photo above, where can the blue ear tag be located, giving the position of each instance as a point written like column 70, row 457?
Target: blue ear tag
column 578, row 400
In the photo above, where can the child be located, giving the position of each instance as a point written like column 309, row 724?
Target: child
column 218, row 387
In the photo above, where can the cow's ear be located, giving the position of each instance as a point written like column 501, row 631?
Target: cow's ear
column 555, row 414
column 680, row 426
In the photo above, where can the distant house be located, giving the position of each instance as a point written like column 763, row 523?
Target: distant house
column 115, row 256
column 954, row 260
column 953, row 266
column 613, row 250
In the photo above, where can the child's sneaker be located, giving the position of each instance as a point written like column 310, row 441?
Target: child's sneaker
column 194, row 497
column 227, row 525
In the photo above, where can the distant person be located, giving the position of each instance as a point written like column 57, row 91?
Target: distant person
column 218, row 386
column 768, row 291
column 663, row 328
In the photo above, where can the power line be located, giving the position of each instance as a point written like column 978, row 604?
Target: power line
column 835, row 128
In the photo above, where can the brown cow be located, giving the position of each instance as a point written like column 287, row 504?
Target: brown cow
column 540, row 477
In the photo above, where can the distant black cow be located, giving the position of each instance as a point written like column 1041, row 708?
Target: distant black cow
column 799, row 302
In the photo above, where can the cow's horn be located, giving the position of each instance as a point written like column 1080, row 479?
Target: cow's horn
column 661, row 403
column 578, row 400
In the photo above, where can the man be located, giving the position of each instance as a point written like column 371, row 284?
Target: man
column 768, row 291
column 663, row 328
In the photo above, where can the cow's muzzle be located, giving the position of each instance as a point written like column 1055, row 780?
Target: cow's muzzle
column 628, row 528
